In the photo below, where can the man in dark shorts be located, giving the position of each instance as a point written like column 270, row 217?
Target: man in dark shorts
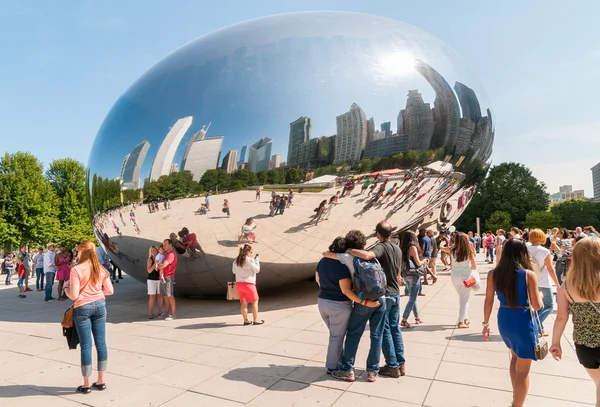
column 168, row 266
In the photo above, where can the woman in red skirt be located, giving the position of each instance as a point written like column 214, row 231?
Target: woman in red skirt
column 245, row 267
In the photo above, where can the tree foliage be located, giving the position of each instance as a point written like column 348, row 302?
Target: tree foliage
column 509, row 187
column 542, row 219
column 577, row 212
column 498, row 220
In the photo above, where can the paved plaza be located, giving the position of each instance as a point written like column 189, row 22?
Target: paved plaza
column 207, row 358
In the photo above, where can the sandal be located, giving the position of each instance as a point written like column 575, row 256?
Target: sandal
column 467, row 322
column 262, row 321
column 247, row 323
column 405, row 324
column 418, row 320
column 462, row 325
column 97, row 386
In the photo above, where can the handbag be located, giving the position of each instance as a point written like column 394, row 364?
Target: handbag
column 470, row 282
column 411, row 269
column 232, row 292
column 541, row 346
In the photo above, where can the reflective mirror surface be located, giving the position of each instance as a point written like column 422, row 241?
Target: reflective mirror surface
column 301, row 90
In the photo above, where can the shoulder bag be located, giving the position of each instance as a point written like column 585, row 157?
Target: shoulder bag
column 541, row 346
column 232, row 292
column 67, row 321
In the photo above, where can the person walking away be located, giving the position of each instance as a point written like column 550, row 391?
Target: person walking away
column 88, row 286
column 169, row 267
column 434, row 255
column 477, row 243
column 245, row 268
column 580, row 296
column 335, row 301
column 425, row 244
column 49, row 271
column 257, row 195
column 38, row 260
column 412, row 269
column 563, row 246
column 517, row 289
column 499, row 243
column 542, row 264
column 389, row 256
column 463, row 256
column 24, row 258
column 320, row 210
column 9, row 266
column 153, row 282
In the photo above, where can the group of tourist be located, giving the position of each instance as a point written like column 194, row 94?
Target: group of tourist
column 278, row 203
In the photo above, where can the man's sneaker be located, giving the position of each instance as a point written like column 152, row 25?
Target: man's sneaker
column 402, row 369
column 169, row 318
column 387, row 371
column 28, row 289
column 371, row 376
column 341, row 375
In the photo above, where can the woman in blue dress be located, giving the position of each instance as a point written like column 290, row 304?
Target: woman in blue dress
column 514, row 283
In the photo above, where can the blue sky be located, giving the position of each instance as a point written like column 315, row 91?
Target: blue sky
column 64, row 64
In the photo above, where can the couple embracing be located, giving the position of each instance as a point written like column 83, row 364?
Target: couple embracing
column 346, row 313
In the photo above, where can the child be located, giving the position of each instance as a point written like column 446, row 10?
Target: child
column 22, row 272
column 160, row 257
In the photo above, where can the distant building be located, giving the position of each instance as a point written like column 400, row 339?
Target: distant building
column 469, row 103
column 230, row 161
column 202, row 154
column 300, row 132
column 174, row 168
column 260, row 155
column 351, row 135
column 166, row 152
column 386, row 127
column 400, row 122
column 276, row 161
column 565, row 189
column 385, row 147
column 596, row 181
column 123, row 166
column 418, row 123
column 566, row 192
column 242, row 157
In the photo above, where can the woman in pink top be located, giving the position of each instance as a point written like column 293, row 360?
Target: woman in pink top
column 63, row 262
column 87, row 287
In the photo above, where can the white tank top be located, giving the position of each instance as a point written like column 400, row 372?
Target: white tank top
column 461, row 269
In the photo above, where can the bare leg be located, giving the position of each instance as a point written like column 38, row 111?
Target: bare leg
column 161, row 304
column 255, row 311
column 513, row 368
column 595, row 375
column 521, row 384
column 151, row 299
column 100, row 377
column 244, row 310
column 60, row 288
column 171, row 300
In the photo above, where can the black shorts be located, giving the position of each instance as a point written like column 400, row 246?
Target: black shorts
column 588, row 357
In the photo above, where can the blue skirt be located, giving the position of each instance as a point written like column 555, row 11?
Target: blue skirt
column 518, row 331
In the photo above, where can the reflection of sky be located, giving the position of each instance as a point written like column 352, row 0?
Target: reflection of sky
column 252, row 79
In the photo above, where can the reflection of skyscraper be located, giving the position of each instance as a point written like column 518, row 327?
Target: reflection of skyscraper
column 174, row 168
column 468, row 102
column 351, row 135
column 371, row 129
column 242, row 157
column 400, row 122
column 387, row 128
column 300, row 131
column 260, row 155
column 130, row 175
column 466, row 129
column 164, row 158
column 276, row 161
column 417, row 122
column 446, row 112
column 230, row 161
column 123, row 166
column 202, row 154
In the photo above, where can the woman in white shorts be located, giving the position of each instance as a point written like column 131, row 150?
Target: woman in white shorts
column 153, row 284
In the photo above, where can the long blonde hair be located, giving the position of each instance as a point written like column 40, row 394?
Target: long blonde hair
column 584, row 273
column 87, row 253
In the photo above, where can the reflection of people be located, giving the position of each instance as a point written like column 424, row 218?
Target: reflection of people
column 248, row 231
column 226, row 207
column 245, row 267
column 207, row 202
column 190, row 241
column 257, row 194
column 88, row 285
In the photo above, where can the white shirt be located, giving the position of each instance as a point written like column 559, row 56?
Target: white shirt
column 49, row 266
column 539, row 254
column 160, row 257
column 246, row 273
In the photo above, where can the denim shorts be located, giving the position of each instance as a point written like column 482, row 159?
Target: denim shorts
column 21, row 282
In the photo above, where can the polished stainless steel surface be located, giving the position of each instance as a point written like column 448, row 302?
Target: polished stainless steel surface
column 301, row 90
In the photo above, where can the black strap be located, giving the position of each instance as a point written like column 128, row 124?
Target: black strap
column 568, row 293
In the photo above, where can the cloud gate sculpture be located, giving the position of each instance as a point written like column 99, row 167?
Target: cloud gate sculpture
column 273, row 100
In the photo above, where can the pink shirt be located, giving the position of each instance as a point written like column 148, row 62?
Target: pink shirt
column 80, row 274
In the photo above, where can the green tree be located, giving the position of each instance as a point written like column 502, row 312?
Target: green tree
column 509, row 187
column 272, row 177
column 246, row 177
column 577, row 212
column 67, row 177
column 542, row 219
column 365, row 165
column 28, row 203
column 261, row 177
column 498, row 220
column 209, row 180
column 292, row 176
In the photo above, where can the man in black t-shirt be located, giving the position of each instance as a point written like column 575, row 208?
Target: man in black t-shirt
column 389, row 256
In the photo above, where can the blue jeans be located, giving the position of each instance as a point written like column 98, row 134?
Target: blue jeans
column 39, row 275
column 358, row 321
column 548, row 305
column 9, row 273
column 90, row 320
column 48, row 286
column 491, row 253
column 393, row 345
column 413, row 284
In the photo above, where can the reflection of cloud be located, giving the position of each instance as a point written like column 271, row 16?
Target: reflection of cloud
column 110, row 24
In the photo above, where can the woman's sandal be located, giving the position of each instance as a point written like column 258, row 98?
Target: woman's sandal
column 467, row 322
column 418, row 320
column 84, row 390
column 97, row 386
column 462, row 325
column 258, row 322
column 247, row 323
column 405, row 324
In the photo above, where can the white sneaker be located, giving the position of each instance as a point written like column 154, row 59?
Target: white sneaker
column 169, row 318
